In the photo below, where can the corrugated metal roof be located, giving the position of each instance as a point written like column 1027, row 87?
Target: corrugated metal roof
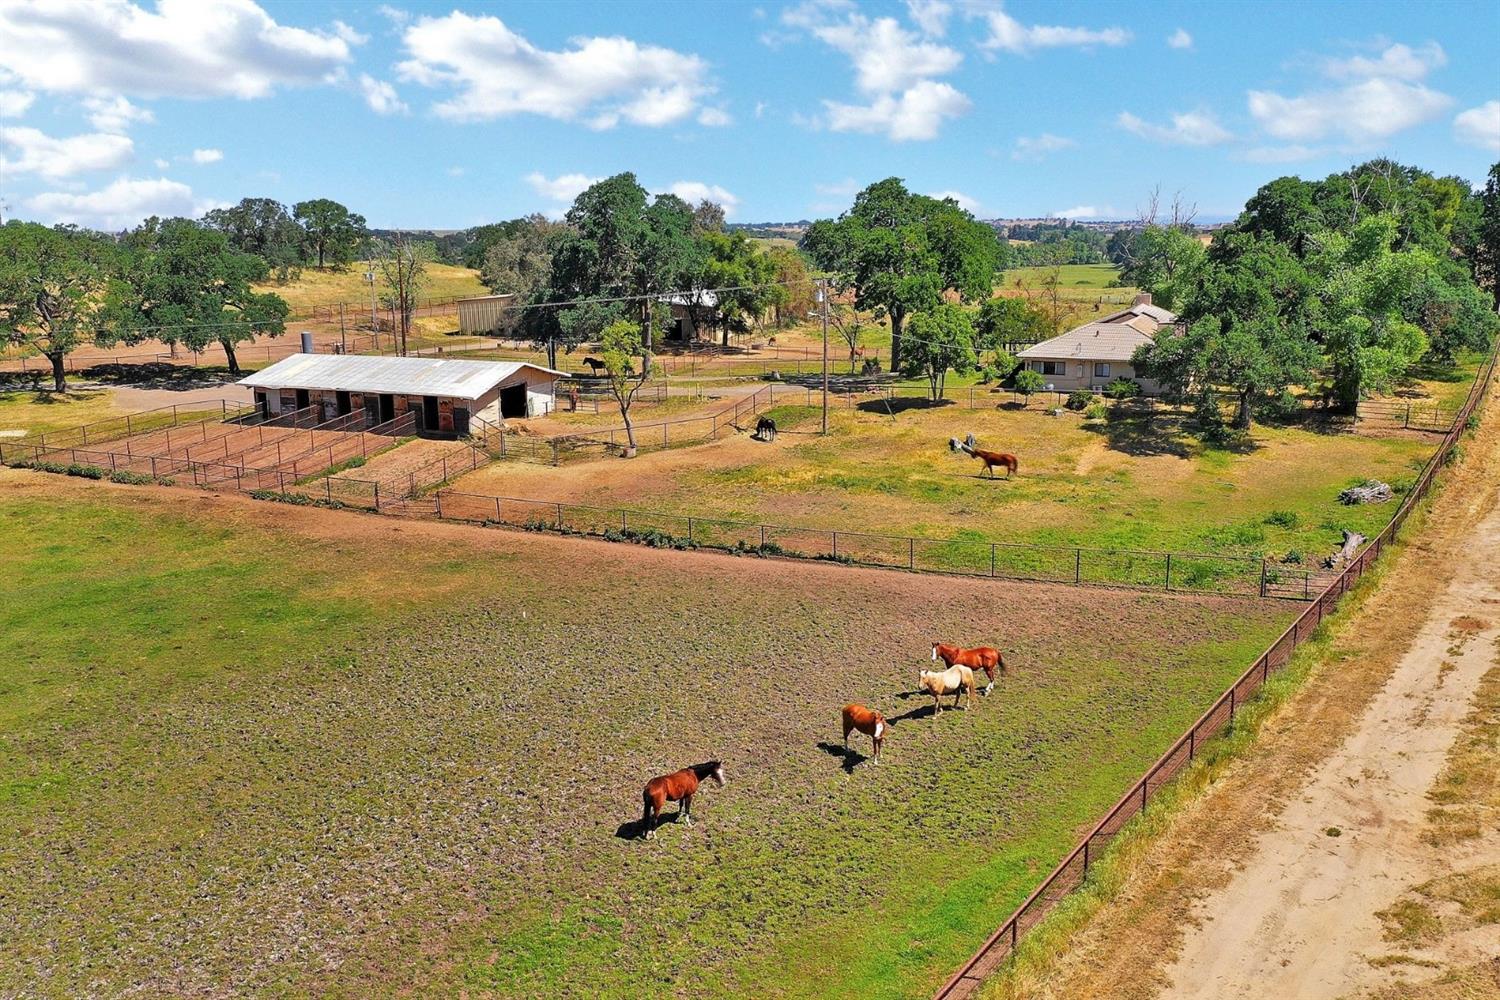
column 409, row 376
column 1091, row 342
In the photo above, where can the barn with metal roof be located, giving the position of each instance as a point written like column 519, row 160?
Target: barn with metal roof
column 446, row 395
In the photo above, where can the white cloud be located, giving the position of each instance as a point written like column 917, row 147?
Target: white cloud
column 930, row 15
column 760, row 108
column 203, row 157
column 1192, row 128
column 162, row 164
column 964, row 201
column 182, row 48
column 1180, row 39
column 886, row 57
column 563, row 188
column 115, row 114
column 348, row 34
column 14, row 103
column 1010, row 35
column 120, row 205
column 381, row 96
column 32, row 152
column 1395, row 62
column 395, row 15
column 1079, row 212
column 693, row 192
column 714, row 117
column 1028, row 148
column 1372, row 109
column 1479, row 126
column 496, row 72
column 916, row 114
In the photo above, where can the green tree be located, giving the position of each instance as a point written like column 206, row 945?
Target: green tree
column 520, row 262
column 1165, row 261
column 57, row 290
column 620, row 344
column 792, row 295
column 189, row 287
column 334, row 234
column 1010, row 321
column 1028, row 383
column 900, row 251
column 939, row 339
column 263, row 227
column 736, row 278
column 1485, row 251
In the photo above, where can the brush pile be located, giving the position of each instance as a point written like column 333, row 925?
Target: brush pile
column 1369, row 491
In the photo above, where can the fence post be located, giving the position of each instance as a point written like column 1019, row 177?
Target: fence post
column 1231, row 706
column 559, row 517
column 690, row 531
column 1085, row 858
column 377, row 497
column 1192, row 741
column 992, row 559
column 1077, row 566
column 1146, row 781
column 911, row 553
column 835, row 545
column 1262, row 577
column 1169, row 571
column 437, row 499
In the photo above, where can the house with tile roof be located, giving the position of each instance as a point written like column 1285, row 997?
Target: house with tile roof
column 1095, row 354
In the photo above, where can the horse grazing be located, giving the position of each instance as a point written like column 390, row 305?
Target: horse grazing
column 984, row 658
column 679, row 786
column 594, row 364
column 765, row 429
column 956, row 680
column 989, row 458
column 867, row 721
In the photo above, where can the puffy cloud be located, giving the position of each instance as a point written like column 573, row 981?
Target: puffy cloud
column 1009, row 35
column 380, row 96
column 964, row 201
column 1028, row 148
column 1192, row 128
column 693, row 192
column 916, row 113
column 348, row 34
column 115, row 114
column 1360, row 112
column 14, row 103
column 182, row 48
column 120, row 205
column 714, row 117
column 202, row 157
column 30, row 151
column 563, row 188
column 496, row 72
column 1479, row 126
column 1180, row 39
column 1396, row 62
column 930, row 15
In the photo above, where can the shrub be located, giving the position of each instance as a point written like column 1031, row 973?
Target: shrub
column 85, row 471
column 870, row 367
column 1098, row 410
column 130, row 478
column 1283, row 518
column 1079, row 399
column 1028, row 382
column 1122, row 388
column 1293, row 556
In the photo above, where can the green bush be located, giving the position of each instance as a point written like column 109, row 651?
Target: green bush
column 1283, row 518
column 1098, row 410
column 130, row 478
column 1122, row 388
column 1079, row 399
column 85, row 471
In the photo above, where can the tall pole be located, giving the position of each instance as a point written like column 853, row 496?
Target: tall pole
column 823, row 300
column 374, row 321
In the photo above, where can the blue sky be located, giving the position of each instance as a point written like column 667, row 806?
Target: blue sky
column 453, row 114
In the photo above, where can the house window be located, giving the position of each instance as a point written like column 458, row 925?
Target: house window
column 1101, row 369
column 1050, row 367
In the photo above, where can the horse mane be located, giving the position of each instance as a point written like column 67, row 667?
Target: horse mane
column 701, row 771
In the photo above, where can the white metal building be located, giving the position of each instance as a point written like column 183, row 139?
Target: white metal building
column 445, row 394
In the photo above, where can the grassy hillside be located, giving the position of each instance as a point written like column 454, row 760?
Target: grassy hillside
column 330, row 287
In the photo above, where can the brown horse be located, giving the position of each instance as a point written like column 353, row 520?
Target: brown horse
column 867, row 721
column 679, row 786
column 985, row 658
column 990, row 458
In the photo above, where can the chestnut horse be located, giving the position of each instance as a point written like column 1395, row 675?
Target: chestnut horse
column 679, row 786
column 994, row 458
column 984, row 658
column 867, row 721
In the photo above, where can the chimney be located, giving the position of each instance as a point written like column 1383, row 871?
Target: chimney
column 307, row 344
column 1143, row 299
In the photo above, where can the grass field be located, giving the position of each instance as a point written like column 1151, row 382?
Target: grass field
column 330, row 287
column 239, row 753
column 1094, row 276
column 1134, row 482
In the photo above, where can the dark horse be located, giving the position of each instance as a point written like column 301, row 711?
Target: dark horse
column 595, row 365
column 765, row 429
column 679, row 786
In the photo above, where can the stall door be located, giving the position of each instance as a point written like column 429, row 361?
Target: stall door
column 429, row 413
column 513, row 401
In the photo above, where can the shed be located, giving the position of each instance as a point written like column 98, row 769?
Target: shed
column 444, row 394
column 484, row 313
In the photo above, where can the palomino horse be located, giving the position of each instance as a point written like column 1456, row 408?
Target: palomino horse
column 679, row 786
column 867, row 721
column 956, row 680
column 985, row 658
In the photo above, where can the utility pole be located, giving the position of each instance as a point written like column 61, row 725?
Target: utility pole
column 374, row 320
column 823, row 301
column 343, row 338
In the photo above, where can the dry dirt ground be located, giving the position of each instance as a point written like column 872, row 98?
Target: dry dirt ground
column 1355, row 851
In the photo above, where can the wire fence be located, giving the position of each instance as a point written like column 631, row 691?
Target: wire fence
column 1072, row 871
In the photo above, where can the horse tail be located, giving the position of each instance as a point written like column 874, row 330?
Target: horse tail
column 1000, row 660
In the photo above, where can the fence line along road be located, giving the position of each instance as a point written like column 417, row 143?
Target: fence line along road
column 1072, row 871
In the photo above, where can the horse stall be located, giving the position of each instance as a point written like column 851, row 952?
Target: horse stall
column 446, row 397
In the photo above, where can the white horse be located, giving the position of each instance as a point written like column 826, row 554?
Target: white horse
column 957, row 680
